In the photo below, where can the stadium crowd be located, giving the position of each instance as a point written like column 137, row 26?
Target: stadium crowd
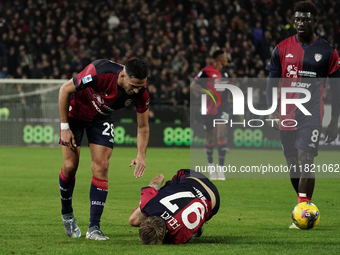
column 56, row 39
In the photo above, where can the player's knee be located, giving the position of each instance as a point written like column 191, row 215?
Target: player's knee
column 101, row 166
column 305, row 157
column 70, row 167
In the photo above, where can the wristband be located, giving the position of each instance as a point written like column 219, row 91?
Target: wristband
column 64, row 126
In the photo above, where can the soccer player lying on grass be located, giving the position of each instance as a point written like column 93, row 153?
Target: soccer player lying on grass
column 176, row 211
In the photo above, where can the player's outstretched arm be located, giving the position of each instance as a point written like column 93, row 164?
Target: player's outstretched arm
column 142, row 143
column 66, row 134
column 157, row 181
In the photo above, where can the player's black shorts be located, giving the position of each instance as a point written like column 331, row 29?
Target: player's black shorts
column 305, row 139
column 98, row 131
column 208, row 120
column 190, row 173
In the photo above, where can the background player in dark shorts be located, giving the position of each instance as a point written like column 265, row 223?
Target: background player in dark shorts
column 305, row 59
column 176, row 211
column 214, row 111
column 87, row 102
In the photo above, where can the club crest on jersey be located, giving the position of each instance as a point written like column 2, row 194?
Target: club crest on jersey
column 128, row 102
column 86, row 79
column 317, row 57
column 291, row 71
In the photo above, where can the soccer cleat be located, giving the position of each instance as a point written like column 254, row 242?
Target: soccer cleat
column 71, row 227
column 293, row 226
column 95, row 233
column 212, row 172
column 220, row 174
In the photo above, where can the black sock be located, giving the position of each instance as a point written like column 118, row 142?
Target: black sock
column 98, row 194
column 66, row 186
column 209, row 150
column 222, row 150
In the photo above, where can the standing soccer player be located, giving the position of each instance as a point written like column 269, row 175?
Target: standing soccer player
column 214, row 111
column 87, row 102
column 304, row 60
column 177, row 211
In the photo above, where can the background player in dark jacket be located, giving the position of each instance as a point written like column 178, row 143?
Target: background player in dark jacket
column 87, row 102
column 177, row 211
column 214, row 110
column 304, row 60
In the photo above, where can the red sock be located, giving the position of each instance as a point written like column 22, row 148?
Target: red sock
column 303, row 198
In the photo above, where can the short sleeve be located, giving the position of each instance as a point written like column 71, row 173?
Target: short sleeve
column 274, row 65
column 142, row 103
column 147, row 193
column 86, row 78
column 334, row 62
column 202, row 74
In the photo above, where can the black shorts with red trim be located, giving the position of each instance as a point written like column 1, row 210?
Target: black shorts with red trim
column 100, row 132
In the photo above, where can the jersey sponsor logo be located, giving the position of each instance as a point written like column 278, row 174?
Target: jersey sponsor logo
column 289, row 55
column 301, row 84
column 339, row 62
column 86, row 79
column 99, row 99
column 291, row 71
column 128, row 102
column 214, row 75
column 201, row 196
column 108, row 108
column 317, row 57
column 307, row 73
column 97, row 108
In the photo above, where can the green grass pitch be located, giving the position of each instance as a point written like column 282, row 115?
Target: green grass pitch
column 253, row 219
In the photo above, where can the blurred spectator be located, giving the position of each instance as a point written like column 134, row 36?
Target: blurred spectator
column 54, row 39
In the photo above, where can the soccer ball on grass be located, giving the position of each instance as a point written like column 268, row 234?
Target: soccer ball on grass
column 306, row 215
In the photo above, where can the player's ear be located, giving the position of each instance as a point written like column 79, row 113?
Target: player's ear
column 315, row 20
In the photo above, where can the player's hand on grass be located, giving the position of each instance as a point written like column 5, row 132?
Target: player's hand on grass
column 140, row 167
column 332, row 130
column 275, row 115
column 67, row 138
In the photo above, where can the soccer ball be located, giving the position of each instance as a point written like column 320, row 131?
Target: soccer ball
column 306, row 215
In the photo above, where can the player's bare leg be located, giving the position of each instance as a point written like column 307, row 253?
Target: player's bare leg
column 66, row 185
column 222, row 149
column 209, row 150
column 100, row 156
column 294, row 173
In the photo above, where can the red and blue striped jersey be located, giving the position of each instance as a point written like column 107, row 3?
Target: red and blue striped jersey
column 210, row 72
column 304, row 66
column 98, row 94
column 182, row 202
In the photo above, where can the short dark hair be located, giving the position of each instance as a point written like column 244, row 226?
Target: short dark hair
column 152, row 230
column 136, row 68
column 306, row 6
column 217, row 53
